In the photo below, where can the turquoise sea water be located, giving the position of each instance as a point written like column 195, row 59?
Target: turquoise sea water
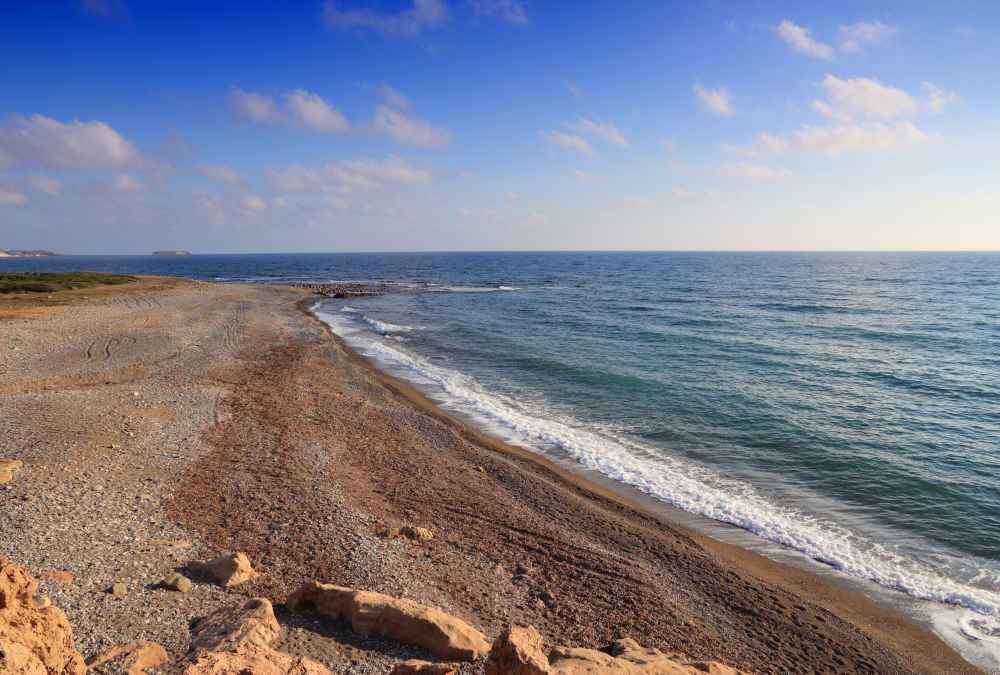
column 846, row 405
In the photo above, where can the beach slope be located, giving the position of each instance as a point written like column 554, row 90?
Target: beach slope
column 166, row 421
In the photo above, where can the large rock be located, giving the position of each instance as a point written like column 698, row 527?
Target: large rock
column 626, row 657
column 254, row 661
column 418, row 667
column 237, row 641
column 370, row 613
column 229, row 569
column 233, row 628
column 132, row 658
column 7, row 469
column 518, row 651
column 33, row 640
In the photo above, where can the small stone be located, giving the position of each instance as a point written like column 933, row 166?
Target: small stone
column 41, row 601
column 59, row 576
column 229, row 569
column 118, row 589
column 177, row 582
column 7, row 469
column 548, row 598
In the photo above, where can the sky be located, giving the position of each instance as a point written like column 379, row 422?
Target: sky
column 408, row 125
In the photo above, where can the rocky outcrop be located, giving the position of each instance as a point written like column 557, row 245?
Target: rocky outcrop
column 627, row 657
column 132, row 658
column 370, row 613
column 418, row 667
column 518, row 651
column 229, row 569
column 251, row 624
column 7, row 469
column 254, row 662
column 33, row 640
column 237, row 640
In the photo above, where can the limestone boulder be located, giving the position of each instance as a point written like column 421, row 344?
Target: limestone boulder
column 229, row 569
column 133, row 658
column 254, row 661
column 418, row 667
column 237, row 641
column 33, row 639
column 627, row 657
column 234, row 628
column 7, row 469
column 518, row 651
column 441, row 634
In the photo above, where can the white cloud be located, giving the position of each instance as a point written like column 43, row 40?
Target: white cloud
column 349, row 176
column 255, row 107
column 512, row 11
column 279, row 202
column 311, row 111
column 126, row 183
column 568, row 141
column 937, row 98
column 763, row 144
column 669, row 145
column 582, row 175
column 605, row 132
column 874, row 137
column 49, row 186
column 573, row 88
column 422, row 15
column 863, row 97
column 802, row 41
column 716, row 101
column 832, row 140
column 393, row 97
column 408, row 130
column 863, row 33
column 220, row 173
column 12, row 198
column 752, row 171
column 252, row 202
column 40, row 140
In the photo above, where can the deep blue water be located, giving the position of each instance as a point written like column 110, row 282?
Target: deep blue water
column 843, row 404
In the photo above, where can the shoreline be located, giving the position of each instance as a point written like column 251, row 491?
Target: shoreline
column 166, row 421
column 841, row 594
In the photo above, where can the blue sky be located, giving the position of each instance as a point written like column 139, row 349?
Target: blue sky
column 498, row 124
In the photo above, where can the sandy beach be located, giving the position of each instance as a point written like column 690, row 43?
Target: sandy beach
column 169, row 420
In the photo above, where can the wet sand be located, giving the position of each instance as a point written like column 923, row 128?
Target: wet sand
column 227, row 417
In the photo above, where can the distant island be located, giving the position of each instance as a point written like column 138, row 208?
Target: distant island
column 14, row 253
column 177, row 252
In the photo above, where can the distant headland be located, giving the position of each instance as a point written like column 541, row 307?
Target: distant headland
column 177, row 252
column 13, row 253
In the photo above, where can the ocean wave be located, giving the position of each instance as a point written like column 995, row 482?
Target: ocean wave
column 384, row 327
column 470, row 289
column 695, row 489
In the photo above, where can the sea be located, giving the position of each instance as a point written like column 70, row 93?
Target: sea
column 841, row 410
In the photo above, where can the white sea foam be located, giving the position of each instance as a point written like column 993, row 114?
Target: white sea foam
column 470, row 289
column 974, row 612
column 384, row 327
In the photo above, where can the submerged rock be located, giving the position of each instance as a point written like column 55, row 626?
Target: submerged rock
column 370, row 613
column 33, row 640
